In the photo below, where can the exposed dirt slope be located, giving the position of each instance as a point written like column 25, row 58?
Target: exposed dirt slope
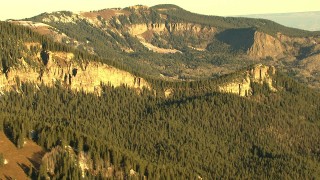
column 19, row 160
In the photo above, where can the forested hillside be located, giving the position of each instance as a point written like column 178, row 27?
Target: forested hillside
column 182, row 128
column 211, row 135
column 14, row 44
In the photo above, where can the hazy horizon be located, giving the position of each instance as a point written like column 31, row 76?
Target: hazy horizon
column 301, row 20
column 18, row 9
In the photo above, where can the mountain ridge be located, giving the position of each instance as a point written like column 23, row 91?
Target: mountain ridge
column 147, row 39
column 219, row 106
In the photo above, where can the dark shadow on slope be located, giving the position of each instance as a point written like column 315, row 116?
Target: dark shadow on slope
column 238, row 39
column 24, row 167
column 45, row 57
column 36, row 159
column 5, row 66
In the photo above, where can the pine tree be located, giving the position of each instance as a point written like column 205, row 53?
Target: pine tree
column 42, row 172
column 1, row 160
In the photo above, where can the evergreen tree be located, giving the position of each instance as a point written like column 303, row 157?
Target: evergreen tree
column 1, row 159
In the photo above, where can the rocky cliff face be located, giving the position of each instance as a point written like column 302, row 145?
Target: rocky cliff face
column 59, row 68
column 195, row 28
column 242, row 85
column 280, row 46
column 137, row 29
column 266, row 46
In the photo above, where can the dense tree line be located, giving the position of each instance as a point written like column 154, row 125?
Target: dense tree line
column 197, row 131
column 270, row 135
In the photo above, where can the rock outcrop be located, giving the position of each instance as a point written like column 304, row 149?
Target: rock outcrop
column 137, row 29
column 242, row 85
column 62, row 17
column 265, row 46
column 195, row 28
column 59, row 68
column 280, row 46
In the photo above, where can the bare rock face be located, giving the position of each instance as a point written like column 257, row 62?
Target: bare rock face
column 280, row 46
column 266, row 46
column 90, row 78
column 195, row 28
column 158, row 27
column 242, row 86
column 137, row 29
column 59, row 68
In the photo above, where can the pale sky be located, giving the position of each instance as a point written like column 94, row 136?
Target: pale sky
column 18, row 9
